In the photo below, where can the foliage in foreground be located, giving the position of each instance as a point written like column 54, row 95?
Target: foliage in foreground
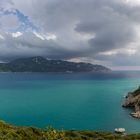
column 10, row 132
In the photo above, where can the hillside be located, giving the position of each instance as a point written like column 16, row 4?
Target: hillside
column 133, row 101
column 40, row 64
column 10, row 132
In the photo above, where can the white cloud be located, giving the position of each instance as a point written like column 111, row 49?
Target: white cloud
column 6, row 4
column 46, row 36
column 9, row 22
column 133, row 2
column 126, row 51
column 51, row 36
column 17, row 34
column 2, row 37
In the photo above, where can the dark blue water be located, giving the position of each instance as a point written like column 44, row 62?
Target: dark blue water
column 72, row 101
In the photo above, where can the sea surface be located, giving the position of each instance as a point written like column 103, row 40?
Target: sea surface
column 81, row 101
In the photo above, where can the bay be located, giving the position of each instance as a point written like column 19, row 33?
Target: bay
column 81, row 101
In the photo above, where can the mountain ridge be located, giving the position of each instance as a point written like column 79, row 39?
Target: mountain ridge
column 41, row 64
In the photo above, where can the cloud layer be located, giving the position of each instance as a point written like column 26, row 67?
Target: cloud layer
column 97, row 31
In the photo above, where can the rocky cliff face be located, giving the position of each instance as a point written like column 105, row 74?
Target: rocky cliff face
column 132, row 100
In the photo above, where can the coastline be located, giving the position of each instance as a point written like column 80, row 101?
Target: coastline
column 11, row 132
column 132, row 100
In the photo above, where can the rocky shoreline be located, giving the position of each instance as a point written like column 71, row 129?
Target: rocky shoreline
column 132, row 100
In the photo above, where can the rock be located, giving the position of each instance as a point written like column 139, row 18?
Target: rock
column 120, row 130
column 135, row 114
column 132, row 100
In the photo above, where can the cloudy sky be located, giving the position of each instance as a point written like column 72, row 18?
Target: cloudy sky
column 104, row 32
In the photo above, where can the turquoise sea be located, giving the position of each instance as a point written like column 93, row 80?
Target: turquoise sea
column 72, row 101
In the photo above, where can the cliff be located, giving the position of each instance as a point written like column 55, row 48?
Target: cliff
column 40, row 64
column 132, row 100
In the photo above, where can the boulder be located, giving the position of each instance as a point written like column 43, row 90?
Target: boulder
column 120, row 130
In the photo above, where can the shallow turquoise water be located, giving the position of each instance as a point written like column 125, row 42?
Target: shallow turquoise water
column 71, row 101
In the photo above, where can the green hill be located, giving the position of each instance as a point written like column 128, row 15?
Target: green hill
column 40, row 64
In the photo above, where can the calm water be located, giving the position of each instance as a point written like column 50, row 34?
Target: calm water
column 78, row 101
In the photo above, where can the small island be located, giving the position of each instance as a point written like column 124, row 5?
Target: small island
column 132, row 100
column 41, row 64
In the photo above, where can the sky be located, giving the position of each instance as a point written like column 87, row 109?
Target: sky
column 105, row 32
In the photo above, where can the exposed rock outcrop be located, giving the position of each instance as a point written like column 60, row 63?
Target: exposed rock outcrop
column 133, row 101
column 120, row 130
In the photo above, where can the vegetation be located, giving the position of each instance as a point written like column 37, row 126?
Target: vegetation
column 136, row 92
column 10, row 132
column 40, row 64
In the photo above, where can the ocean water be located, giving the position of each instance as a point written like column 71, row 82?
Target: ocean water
column 81, row 101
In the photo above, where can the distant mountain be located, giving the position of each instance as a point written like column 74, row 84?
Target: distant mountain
column 40, row 64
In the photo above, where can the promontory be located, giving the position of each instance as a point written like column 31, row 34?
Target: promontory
column 132, row 100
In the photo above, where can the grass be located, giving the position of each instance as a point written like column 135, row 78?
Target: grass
column 10, row 132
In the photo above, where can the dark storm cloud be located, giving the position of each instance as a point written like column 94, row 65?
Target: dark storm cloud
column 112, row 29
column 28, row 44
column 84, row 28
column 112, row 37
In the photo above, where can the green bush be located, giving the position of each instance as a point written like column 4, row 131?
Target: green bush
column 10, row 132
